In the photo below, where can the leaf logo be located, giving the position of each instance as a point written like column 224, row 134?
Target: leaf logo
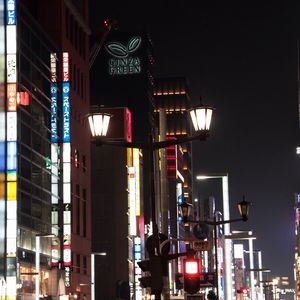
column 121, row 51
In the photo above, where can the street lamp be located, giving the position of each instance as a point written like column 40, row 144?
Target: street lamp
column 260, row 271
column 243, row 207
column 93, row 285
column 37, row 260
column 245, row 235
column 226, row 215
column 201, row 117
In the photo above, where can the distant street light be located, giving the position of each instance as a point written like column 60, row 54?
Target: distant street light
column 243, row 207
column 201, row 117
column 245, row 235
column 227, row 243
column 93, row 285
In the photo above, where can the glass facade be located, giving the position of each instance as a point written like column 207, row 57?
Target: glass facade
column 34, row 151
column 34, row 193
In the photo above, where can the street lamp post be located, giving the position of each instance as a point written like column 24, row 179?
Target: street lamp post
column 243, row 208
column 245, row 235
column 226, row 215
column 259, row 270
column 93, row 285
column 201, row 119
column 37, row 261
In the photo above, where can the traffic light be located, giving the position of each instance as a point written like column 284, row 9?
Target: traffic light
column 244, row 291
column 154, row 279
column 191, row 269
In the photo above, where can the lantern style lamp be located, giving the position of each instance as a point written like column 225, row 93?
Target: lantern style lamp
column 243, row 207
column 185, row 209
column 201, row 117
column 99, row 123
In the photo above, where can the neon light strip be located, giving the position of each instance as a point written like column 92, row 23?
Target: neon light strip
column 11, row 158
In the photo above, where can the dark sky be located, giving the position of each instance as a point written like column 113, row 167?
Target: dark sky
column 242, row 59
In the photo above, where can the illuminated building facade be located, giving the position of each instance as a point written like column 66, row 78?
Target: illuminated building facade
column 45, row 149
column 171, row 98
column 120, row 177
column 26, row 187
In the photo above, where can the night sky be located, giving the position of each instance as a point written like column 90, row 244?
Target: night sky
column 242, row 59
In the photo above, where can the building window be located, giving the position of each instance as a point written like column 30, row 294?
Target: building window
column 76, row 158
column 74, row 78
column 84, row 265
column 84, row 212
column 76, row 35
column 78, row 263
column 83, row 163
column 71, row 28
column 81, row 84
column 67, row 22
column 83, row 44
column 78, row 81
column 77, row 209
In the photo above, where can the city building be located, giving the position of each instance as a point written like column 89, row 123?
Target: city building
column 45, row 181
column 172, row 101
column 120, row 176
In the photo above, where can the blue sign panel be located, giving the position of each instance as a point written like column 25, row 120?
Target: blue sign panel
column 66, row 111
column 10, row 12
column 53, row 90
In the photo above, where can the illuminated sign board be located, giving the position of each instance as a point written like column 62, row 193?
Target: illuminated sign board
column 53, row 74
column 11, row 150
column 53, row 91
column 132, row 200
column 11, row 97
column 11, row 12
column 136, row 164
column 123, row 61
column 66, row 67
column 11, row 64
column 66, row 111
column 53, row 162
column 66, row 156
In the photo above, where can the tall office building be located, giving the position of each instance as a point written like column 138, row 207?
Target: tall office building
column 121, row 80
column 45, row 149
column 172, row 100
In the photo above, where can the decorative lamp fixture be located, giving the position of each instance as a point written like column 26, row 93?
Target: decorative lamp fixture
column 99, row 124
column 201, row 117
column 185, row 209
column 243, row 207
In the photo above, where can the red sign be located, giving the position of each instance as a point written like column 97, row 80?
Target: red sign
column 65, row 67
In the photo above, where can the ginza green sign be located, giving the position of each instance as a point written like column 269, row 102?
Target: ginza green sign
column 123, row 61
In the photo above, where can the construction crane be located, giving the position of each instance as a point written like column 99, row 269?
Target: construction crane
column 108, row 25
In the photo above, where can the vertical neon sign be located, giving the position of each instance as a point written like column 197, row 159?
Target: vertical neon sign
column 66, row 166
column 11, row 149
column 54, row 158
